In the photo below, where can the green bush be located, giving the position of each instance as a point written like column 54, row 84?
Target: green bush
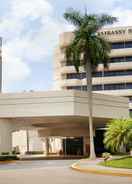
column 5, row 153
column 8, row 157
column 34, row 152
column 106, row 156
column 14, row 152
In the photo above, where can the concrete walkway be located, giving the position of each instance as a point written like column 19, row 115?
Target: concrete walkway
column 89, row 166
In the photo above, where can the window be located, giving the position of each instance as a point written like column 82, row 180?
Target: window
column 112, row 60
column 76, row 75
column 121, row 45
column 121, row 59
column 99, row 74
column 104, row 87
column 113, row 86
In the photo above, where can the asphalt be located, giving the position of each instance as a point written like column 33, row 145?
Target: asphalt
column 52, row 172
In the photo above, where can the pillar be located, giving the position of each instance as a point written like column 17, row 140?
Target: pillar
column 6, row 129
column 46, row 146
column 86, row 146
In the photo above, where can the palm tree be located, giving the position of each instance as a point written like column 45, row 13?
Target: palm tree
column 88, row 49
column 118, row 134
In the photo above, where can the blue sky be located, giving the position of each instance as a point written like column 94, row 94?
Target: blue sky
column 30, row 31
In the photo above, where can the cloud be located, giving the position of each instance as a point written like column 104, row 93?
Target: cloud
column 30, row 34
column 32, row 9
column 124, row 16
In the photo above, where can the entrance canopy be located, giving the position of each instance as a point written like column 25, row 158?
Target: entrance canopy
column 61, row 103
column 60, row 109
column 56, row 113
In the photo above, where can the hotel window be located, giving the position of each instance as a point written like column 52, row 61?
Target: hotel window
column 76, row 75
column 103, row 87
column 112, row 60
column 120, row 45
column 99, row 74
column 113, row 86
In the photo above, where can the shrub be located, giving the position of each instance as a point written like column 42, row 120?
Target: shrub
column 106, row 156
column 14, row 152
column 118, row 134
column 5, row 153
column 34, row 152
column 8, row 157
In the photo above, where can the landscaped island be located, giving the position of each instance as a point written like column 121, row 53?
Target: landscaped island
column 124, row 162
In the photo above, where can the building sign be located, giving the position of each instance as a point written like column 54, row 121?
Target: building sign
column 115, row 32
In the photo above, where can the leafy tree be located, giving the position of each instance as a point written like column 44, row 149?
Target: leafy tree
column 118, row 134
column 88, row 49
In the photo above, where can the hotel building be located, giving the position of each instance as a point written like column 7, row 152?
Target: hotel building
column 117, row 80
column 64, row 113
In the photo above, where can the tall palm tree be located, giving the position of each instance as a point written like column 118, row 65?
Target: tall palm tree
column 118, row 134
column 88, row 49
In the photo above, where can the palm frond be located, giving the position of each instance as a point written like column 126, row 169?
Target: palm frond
column 73, row 17
column 119, row 132
column 86, row 40
column 73, row 54
column 105, row 19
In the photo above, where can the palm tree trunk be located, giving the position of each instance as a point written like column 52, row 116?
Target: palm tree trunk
column 90, row 108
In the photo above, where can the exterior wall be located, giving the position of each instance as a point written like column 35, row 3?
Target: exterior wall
column 67, row 132
column 104, row 106
column 20, row 140
column 113, row 35
column 36, row 104
column 59, row 104
column 6, row 129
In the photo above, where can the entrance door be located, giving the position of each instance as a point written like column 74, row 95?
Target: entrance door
column 73, row 146
column 98, row 141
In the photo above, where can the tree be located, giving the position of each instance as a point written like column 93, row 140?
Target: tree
column 88, row 49
column 118, row 134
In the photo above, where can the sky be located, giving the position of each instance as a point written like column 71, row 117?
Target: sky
column 30, row 30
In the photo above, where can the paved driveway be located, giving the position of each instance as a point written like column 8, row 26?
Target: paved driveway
column 52, row 172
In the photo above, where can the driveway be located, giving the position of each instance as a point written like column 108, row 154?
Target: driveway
column 52, row 172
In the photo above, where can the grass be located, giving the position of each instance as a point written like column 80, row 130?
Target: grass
column 124, row 162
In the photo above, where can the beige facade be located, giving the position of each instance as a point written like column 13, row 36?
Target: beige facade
column 116, row 81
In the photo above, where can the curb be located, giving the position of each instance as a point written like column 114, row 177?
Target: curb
column 76, row 167
column 7, row 161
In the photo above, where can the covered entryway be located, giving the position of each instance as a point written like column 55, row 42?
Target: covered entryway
column 57, row 113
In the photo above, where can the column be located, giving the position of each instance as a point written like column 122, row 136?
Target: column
column 46, row 146
column 86, row 146
column 6, row 128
